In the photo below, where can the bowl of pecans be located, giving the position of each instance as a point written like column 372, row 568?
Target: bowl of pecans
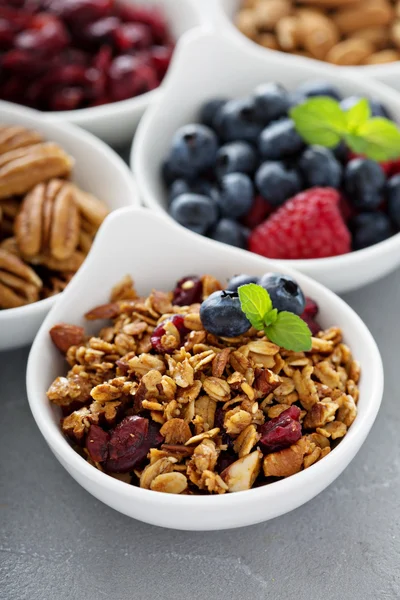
column 199, row 394
column 57, row 185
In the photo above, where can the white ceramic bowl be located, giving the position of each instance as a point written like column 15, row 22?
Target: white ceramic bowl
column 98, row 170
column 196, row 76
column 223, row 12
column 157, row 253
column 115, row 123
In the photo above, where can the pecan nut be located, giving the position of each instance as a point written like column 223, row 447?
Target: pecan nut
column 48, row 222
column 15, row 136
column 23, row 168
column 19, row 284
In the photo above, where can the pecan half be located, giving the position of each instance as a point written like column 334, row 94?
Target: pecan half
column 48, row 222
column 19, row 284
column 23, row 168
column 15, row 136
column 90, row 207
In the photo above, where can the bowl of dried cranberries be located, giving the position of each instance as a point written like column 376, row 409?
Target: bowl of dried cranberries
column 95, row 63
column 295, row 163
column 195, row 393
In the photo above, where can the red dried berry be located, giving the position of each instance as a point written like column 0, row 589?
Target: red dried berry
column 129, row 76
column 97, row 443
column 311, row 311
column 188, row 290
column 68, row 98
column 6, row 34
column 101, row 31
column 132, row 36
column 160, row 57
column 80, row 11
column 130, row 442
column 47, row 34
column 281, row 432
column 159, row 331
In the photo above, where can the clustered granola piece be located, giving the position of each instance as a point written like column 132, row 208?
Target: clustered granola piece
column 207, row 414
column 47, row 224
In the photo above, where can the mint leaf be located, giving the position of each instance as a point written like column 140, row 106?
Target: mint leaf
column 357, row 115
column 320, row 120
column 270, row 317
column 290, row 332
column 255, row 303
column 381, row 139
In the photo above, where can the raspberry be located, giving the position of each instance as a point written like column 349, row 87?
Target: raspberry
column 309, row 225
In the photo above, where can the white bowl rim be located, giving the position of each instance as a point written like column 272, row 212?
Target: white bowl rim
column 61, row 447
column 80, row 134
column 351, row 259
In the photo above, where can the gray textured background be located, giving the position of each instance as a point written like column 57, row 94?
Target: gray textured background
column 59, row 543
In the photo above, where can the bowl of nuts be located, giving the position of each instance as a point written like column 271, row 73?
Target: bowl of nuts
column 350, row 33
column 57, row 184
column 294, row 162
column 203, row 394
column 95, row 63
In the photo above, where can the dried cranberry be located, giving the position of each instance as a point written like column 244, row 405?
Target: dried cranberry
column 6, row 34
column 22, row 62
column 101, row 31
column 188, row 290
column 281, row 432
column 80, row 11
column 129, row 77
column 130, row 442
column 97, row 443
column 310, row 311
column 161, row 57
column 96, row 83
column 130, row 36
column 47, row 35
column 102, row 60
column 67, row 98
column 159, row 331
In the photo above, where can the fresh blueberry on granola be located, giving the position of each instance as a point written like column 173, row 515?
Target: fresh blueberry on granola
column 218, row 394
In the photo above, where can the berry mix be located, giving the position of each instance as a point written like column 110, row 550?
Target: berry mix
column 181, row 393
column 270, row 173
column 69, row 54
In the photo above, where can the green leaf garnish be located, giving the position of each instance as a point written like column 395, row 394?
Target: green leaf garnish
column 283, row 328
column 290, row 332
column 255, row 303
column 322, row 121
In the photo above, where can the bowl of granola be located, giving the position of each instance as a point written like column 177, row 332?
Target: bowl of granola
column 193, row 398
column 276, row 158
column 57, row 184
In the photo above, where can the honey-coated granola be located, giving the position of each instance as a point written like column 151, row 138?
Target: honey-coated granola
column 47, row 224
column 203, row 414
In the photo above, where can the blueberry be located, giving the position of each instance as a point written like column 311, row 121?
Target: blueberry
column 370, row 228
column 238, row 280
column 221, row 314
column 276, row 182
column 167, row 173
column 193, row 150
column 364, row 181
column 310, row 89
column 280, row 140
column 194, row 212
column 237, row 120
column 236, row 195
column 235, row 157
column 393, row 199
column 230, row 232
column 210, row 109
column 377, row 109
column 341, row 152
column 284, row 291
column 319, row 167
column 272, row 102
column 199, row 186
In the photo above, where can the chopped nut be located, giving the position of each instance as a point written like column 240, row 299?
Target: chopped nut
column 285, row 462
column 241, row 474
column 320, row 414
column 305, row 387
column 151, row 472
column 218, row 389
column 176, row 431
column 169, row 483
column 246, row 441
column 347, row 411
column 236, row 420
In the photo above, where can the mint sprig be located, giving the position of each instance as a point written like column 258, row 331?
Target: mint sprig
column 322, row 121
column 283, row 328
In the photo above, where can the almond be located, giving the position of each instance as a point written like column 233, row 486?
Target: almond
column 64, row 336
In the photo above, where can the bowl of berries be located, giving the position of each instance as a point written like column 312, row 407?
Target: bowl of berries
column 298, row 164
column 95, row 63
column 196, row 393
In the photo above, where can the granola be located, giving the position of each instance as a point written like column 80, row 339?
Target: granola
column 157, row 401
column 47, row 224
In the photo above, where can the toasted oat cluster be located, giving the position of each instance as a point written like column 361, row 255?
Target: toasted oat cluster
column 158, row 402
column 47, row 224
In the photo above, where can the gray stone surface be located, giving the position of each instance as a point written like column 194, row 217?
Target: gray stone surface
column 59, row 543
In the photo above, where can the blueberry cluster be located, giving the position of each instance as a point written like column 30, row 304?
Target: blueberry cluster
column 245, row 159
